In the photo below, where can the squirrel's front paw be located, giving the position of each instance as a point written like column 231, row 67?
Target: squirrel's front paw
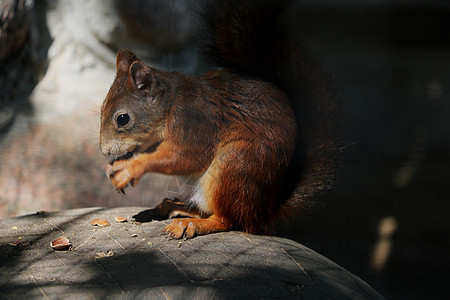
column 124, row 172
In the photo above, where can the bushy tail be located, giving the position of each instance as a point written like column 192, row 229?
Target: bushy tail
column 249, row 36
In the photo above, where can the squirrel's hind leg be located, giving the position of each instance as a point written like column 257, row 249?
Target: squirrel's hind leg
column 169, row 208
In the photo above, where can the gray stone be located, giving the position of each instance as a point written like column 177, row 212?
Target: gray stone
column 133, row 260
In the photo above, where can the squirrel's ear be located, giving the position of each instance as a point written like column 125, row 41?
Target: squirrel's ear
column 124, row 60
column 140, row 76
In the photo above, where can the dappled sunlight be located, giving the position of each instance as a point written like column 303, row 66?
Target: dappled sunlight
column 383, row 246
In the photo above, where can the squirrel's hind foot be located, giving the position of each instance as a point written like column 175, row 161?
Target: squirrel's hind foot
column 188, row 228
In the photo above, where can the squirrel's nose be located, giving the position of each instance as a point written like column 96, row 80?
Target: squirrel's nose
column 105, row 149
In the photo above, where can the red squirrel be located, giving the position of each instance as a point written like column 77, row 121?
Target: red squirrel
column 259, row 133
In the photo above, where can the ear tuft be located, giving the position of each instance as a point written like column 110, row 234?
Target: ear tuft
column 141, row 76
column 124, row 60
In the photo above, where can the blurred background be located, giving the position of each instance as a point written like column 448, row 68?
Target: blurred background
column 386, row 220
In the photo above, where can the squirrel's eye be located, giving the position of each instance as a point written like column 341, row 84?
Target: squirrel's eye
column 123, row 120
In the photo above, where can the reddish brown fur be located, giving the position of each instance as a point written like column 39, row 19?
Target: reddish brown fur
column 240, row 189
column 234, row 129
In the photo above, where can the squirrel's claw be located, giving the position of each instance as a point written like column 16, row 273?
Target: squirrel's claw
column 123, row 173
column 181, row 228
column 109, row 171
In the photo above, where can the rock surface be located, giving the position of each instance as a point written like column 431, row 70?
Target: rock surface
column 134, row 260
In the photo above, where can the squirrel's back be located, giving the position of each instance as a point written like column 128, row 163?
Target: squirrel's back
column 249, row 37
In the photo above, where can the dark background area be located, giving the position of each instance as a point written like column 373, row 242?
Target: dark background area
column 391, row 64
column 386, row 220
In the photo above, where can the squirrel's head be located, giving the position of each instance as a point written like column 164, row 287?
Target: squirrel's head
column 134, row 110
